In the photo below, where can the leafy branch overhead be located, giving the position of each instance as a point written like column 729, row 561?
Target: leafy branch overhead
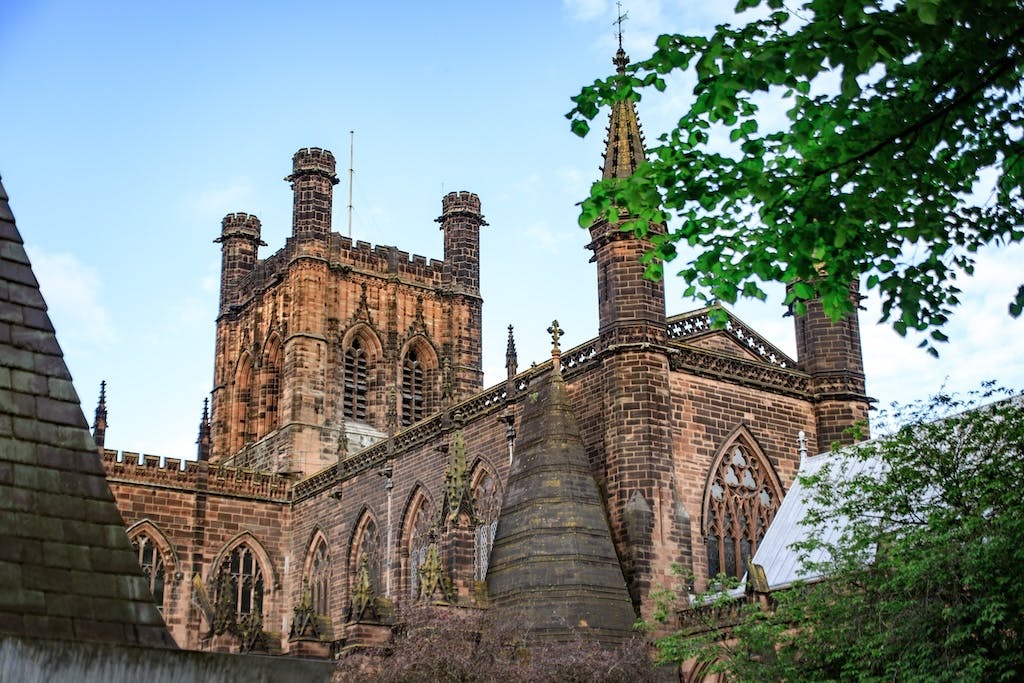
column 900, row 156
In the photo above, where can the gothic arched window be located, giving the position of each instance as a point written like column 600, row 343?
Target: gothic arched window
column 742, row 497
column 413, row 388
column 419, row 539
column 242, row 576
column 271, row 389
column 241, row 415
column 320, row 576
column 368, row 550
column 487, row 506
column 151, row 560
column 356, row 380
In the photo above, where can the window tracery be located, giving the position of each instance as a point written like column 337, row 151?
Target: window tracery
column 356, row 380
column 151, row 561
column 241, row 576
column 487, row 506
column 419, row 540
column 413, row 387
column 368, row 549
column 743, row 496
column 320, row 577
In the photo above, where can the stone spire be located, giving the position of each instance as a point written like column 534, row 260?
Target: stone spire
column 203, row 452
column 99, row 425
column 624, row 146
column 553, row 563
column 511, row 359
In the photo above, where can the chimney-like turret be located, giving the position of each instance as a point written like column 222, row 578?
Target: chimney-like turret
column 461, row 221
column 831, row 353
column 239, row 243
column 313, row 180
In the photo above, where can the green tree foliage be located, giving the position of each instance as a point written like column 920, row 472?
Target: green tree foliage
column 898, row 112
column 921, row 583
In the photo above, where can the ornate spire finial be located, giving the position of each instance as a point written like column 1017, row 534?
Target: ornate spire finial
column 99, row 425
column 621, row 59
column 203, row 452
column 511, row 359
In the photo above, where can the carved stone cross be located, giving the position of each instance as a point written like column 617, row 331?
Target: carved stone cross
column 556, row 333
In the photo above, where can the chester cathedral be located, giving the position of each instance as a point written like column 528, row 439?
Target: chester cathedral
column 352, row 464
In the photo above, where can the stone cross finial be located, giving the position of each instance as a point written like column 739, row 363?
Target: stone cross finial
column 556, row 333
column 622, row 16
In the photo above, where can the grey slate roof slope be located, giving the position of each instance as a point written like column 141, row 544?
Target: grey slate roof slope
column 67, row 570
column 782, row 565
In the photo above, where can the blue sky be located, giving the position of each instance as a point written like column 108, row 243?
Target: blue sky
column 130, row 129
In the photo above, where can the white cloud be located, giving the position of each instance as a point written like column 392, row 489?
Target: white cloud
column 586, row 10
column 216, row 202
column 72, row 291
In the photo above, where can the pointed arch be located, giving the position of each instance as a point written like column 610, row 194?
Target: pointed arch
column 157, row 558
column 419, row 371
column 270, row 386
column 416, row 536
column 362, row 350
column 366, row 544
column 486, row 493
column 741, row 497
column 241, row 398
column 243, row 576
column 318, row 572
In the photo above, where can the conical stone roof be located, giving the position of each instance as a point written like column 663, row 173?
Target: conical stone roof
column 67, row 571
column 553, row 563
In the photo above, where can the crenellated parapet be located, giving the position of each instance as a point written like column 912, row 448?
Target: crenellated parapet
column 191, row 475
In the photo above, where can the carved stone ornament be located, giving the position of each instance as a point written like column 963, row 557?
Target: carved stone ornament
column 363, row 594
column 304, row 619
column 434, row 584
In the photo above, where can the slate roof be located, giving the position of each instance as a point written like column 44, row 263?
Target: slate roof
column 782, row 565
column 67, row 570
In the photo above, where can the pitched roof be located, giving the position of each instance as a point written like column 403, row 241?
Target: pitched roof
column 782, row 564
column 67, row 570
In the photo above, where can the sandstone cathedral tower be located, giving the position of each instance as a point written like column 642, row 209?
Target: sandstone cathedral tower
column 353, row 464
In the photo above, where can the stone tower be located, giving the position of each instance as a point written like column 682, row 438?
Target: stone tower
column 327, row 346
column 830, row 352
column 637, row 441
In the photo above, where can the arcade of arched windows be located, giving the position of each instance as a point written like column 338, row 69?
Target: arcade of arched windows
column 741, row 498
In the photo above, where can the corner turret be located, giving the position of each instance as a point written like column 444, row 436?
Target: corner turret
column 461, row 221
column 831, row 353
column 313, row 180
column 630, row 307
column 240, row 241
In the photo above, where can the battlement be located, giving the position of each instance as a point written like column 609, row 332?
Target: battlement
column 460, row 202
column 193, row 476
column 240, row 225
column 380, row 258
column 313, row 161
